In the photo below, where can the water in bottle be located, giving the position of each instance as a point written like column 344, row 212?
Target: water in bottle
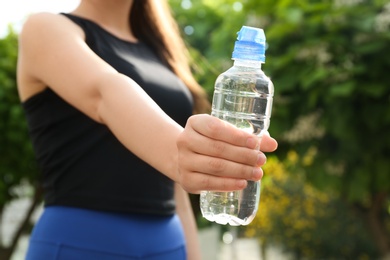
column 243, row 97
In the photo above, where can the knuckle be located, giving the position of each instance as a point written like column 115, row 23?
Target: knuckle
column 191, row 119
column 205, row 183
column 225, row 184
column 218, row 148
column 215, row 127
column 182, row 164
column 247, row 172
column 240, row 134
column 255, row 156
column 187, row 186
column 239, row 137
column 248, row 157
column 262, row 159
column 187, row 183
column 216, row 165
column 181, row 155
column 183, row 140
column 180, row 140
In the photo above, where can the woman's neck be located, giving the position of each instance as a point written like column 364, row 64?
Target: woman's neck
column 112, row 15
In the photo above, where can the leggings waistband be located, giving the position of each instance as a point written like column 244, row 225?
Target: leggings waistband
column 132, row 235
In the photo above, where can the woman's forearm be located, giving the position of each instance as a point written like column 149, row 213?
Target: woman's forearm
column 139, row 123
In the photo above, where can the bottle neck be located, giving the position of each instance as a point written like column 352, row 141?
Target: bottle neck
column 247, row 63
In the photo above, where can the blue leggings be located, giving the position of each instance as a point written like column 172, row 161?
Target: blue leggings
column 66, row 233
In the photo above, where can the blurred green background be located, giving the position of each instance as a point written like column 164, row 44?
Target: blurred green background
column 325, row 194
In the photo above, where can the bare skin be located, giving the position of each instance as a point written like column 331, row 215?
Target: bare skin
column 208, row 154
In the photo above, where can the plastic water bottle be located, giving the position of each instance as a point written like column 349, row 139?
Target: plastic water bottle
column 243, row 97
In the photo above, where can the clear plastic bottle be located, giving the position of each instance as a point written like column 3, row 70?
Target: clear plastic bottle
column 243, row 97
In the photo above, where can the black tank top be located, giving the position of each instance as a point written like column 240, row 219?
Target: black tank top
column 82, row 162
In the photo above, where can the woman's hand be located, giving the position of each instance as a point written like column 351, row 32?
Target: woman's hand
column 215, row 155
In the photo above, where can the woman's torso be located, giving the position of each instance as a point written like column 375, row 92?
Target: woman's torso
column 83, row 164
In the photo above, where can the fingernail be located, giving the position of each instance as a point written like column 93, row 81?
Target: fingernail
column 261, row 159
column 257, row 148
column 241, row 184
column 257, row 173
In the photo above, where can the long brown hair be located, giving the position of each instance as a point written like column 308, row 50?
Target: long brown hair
column 152, row 22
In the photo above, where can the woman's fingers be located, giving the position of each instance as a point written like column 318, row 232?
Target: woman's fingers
column 212, row 183
column 268, row 144
column 215, row 155
column 220, row 130
column 220, row 167
column 203, row 145
column 217, row 129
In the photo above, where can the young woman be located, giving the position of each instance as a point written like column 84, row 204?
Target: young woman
column 109, row 99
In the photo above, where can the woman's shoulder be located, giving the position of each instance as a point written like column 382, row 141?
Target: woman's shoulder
column 44, row 37
column 43, row 19
column 46, row 24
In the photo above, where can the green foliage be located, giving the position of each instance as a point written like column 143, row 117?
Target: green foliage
column 329, row 63
column 212, row 39
column 306, row 222
column 331, row 59
column 17, row 161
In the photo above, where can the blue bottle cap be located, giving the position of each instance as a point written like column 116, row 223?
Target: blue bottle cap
column 250, row 44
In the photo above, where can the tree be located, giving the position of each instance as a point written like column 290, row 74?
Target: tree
column 332, row 87
column 17, row 161
column 329, row 63
column 210, row 39
column 306, row 222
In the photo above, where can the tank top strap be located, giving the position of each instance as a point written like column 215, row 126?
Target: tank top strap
column 88, row 26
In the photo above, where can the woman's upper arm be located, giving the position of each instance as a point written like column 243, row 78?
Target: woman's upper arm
column 53, row 52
